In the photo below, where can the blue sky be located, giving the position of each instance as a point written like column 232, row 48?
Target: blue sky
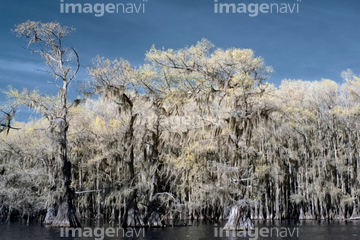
column 320, row 41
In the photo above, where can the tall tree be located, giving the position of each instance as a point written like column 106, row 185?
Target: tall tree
column 63, row 64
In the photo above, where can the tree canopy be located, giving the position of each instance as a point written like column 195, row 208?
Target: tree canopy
column 192, row 133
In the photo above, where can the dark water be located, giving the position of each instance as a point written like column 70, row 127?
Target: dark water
column 284, row 230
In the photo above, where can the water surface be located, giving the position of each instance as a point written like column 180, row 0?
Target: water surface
column 199, row 230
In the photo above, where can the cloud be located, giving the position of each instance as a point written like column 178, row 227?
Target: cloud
column 21, row 66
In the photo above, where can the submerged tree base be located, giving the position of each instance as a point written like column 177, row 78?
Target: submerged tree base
column 239, row 218
column 133, row 218
column 154, row 220
column 50, row 216
column 66, row 217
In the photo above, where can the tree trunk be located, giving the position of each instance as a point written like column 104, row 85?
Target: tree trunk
column 66, row 216
column 239, row 218
column 112, row 217
column 301, row 214
column 133, row 218
column 50, row 216
column 154, row 214
column 9, row 215
column 277, row 201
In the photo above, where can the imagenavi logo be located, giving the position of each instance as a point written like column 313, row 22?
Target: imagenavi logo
column 254, row 9
column 99, row 9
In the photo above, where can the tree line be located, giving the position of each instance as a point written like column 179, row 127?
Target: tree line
column 195, row 133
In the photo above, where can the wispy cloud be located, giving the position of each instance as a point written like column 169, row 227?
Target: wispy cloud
column 21, row 66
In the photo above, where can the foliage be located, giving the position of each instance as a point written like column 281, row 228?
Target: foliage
column 194, row 131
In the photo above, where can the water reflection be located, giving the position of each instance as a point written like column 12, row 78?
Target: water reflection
column 307, row 230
